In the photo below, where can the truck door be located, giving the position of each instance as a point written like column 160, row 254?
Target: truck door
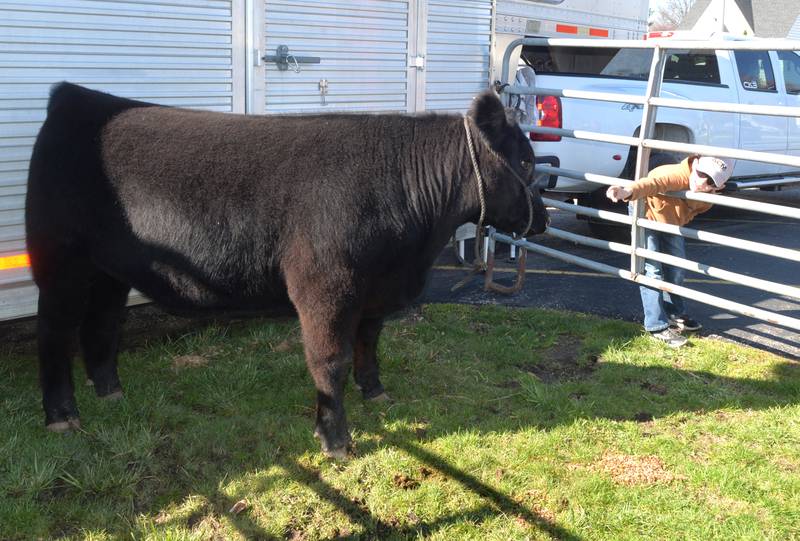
column 790, row 68
column 757, row 86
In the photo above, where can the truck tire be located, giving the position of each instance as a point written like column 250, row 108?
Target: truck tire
column 613, row 231
column 657, row 159
column 603, row 229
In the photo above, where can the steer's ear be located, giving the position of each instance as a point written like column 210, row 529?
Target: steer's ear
column 489, row 115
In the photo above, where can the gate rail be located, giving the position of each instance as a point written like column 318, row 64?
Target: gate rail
column 644, row 143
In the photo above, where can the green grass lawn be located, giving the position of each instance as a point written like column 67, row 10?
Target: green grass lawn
column 505, row 424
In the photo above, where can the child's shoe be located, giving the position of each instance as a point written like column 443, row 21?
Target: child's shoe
column 670, row 337
column 684, row 323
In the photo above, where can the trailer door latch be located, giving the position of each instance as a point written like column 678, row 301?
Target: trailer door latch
column 284, row 60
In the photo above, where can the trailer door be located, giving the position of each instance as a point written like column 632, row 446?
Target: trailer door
column 188, row 53
column 459, row 35
column 340, row 56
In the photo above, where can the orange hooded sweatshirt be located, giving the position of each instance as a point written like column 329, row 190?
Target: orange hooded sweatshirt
column 660, row 208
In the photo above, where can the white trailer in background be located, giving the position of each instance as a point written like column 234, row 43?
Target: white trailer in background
column 624, row 19
column 256, row 57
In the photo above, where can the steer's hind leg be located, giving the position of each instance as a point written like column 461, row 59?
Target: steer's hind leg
column 365, row 359
column 62, row 301
column 100, row 333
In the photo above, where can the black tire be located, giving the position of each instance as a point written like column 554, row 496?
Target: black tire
column 657, row 159
column 603, row 229
column 612, row 231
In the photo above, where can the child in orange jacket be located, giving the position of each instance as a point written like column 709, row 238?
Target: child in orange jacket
column 663, row 311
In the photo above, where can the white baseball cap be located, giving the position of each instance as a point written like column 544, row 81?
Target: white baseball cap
column 719, row 169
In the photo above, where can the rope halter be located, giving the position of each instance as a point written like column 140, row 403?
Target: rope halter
column 482, row 197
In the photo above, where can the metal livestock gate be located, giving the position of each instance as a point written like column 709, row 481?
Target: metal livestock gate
column 644, row 142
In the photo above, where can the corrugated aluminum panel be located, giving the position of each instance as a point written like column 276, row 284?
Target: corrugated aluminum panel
column 363, row 47
column 457, row 56
column 174, row 52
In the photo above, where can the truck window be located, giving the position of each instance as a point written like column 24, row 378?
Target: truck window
column 790, row 61
column 755, row 71
column 620, row 63
column 692, row 66
column 686, row 66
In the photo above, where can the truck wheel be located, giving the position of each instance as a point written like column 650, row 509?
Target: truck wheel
column 657, row 159
column 612, row 231
column 603, row 229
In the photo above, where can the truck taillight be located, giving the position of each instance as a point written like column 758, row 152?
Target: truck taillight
column 549, row 110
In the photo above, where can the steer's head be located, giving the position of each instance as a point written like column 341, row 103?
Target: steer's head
column 500, row 145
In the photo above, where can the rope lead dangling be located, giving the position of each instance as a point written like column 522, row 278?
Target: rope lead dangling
column 479, row 265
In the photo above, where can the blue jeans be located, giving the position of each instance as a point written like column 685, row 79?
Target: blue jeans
column 658, row 305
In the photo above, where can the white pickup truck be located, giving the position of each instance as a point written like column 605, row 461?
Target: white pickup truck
column 747, row 77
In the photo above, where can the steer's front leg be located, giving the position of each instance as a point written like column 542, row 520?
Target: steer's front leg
column 329, row 363
column 328, row 319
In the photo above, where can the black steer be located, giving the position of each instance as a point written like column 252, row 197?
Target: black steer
column 336, row 217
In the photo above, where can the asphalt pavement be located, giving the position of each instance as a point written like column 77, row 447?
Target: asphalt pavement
column 553, row 284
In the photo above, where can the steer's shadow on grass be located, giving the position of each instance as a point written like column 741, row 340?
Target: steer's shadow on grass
column 225, row 414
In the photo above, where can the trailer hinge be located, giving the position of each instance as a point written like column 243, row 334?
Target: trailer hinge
column 416, row 62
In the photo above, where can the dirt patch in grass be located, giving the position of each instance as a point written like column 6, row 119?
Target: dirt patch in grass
column 563, row 362
column 285, row 346
column 479, row 327
column 655, row 388
column 188, row 361
column 405, row 482
column 293, row 534
column 533, row 500
column 631, row 470
column 787, row 465
column 642, row 417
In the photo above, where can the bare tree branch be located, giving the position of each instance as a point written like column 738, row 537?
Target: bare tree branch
column 670, row 14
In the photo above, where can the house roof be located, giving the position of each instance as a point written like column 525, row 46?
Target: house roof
column 693, row 15
column 768, row 18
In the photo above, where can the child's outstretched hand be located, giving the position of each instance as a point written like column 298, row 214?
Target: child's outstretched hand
column 618, row 193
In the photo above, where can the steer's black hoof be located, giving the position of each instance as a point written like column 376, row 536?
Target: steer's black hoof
column 374, row 393
column 113, row 396
column 338, row 451
column 110, row 391
column 337, row 454
column 64, row 426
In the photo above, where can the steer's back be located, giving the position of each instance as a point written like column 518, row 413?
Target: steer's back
column 196, row 208
column 154, row 197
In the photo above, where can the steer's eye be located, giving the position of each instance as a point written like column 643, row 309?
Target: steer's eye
column 526, row 165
